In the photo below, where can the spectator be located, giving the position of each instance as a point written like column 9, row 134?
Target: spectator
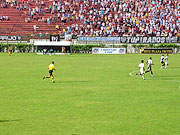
column 51, row 51
column 40, row 35
column 47, row 35
column 44, row 51
column 57, row 27
column 111, row 17
column 34, row 27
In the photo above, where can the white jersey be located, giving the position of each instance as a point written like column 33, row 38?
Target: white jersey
column 162, row 58
column 141, row 66
column 149, row 62
column 166, row 60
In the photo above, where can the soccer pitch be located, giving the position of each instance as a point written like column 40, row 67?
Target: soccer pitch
column 92, row 95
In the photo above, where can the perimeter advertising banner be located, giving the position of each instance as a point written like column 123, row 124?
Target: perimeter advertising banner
column 156, row 51
column 132, row 40
column 10, row 38
column 108, row 50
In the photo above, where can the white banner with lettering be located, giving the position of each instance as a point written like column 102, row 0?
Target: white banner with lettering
column 133, row 40
column 108, row 50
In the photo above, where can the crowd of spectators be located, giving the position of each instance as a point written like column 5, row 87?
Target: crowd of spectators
column 127, row 18
column 4, row 18
column 106, row 17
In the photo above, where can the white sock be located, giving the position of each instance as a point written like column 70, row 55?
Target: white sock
column 143, row 77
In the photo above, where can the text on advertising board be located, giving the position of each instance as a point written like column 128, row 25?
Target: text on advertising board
column 108, row 50
column 156, row 51
column 144, row 40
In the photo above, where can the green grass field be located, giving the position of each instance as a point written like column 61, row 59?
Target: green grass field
column 93, row 95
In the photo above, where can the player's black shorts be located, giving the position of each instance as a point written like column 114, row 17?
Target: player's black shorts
column 149, row 68
column 10, row 51
column 50, row 72
column 162, row 62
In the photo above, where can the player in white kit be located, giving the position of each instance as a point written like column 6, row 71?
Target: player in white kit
column 141, row 68
column 149, row 63
column 166, row 61
column 162, row 61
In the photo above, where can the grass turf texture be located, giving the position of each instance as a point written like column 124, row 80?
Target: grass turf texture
column 93, row 95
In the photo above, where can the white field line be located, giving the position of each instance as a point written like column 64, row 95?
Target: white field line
column 132, row 74
column 153, row 78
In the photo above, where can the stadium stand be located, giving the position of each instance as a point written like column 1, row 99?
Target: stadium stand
column 90, row 17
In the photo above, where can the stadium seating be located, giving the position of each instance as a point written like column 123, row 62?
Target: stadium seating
column 92, row 18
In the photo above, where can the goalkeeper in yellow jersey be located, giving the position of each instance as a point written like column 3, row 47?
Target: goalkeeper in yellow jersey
column 51, row 68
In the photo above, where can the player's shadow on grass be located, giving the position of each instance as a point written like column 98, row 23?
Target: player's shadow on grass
column 173, row 76
column 72, row 81
column 174, row 67
column 1, row 121
column 168, row 78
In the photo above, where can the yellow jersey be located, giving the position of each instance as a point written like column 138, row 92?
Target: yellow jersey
column 51, row 67
column 10, row 48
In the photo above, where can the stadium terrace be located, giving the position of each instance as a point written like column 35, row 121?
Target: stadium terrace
column 91, row 17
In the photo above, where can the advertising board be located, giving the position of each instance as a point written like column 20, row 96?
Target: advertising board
column 108, row 50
